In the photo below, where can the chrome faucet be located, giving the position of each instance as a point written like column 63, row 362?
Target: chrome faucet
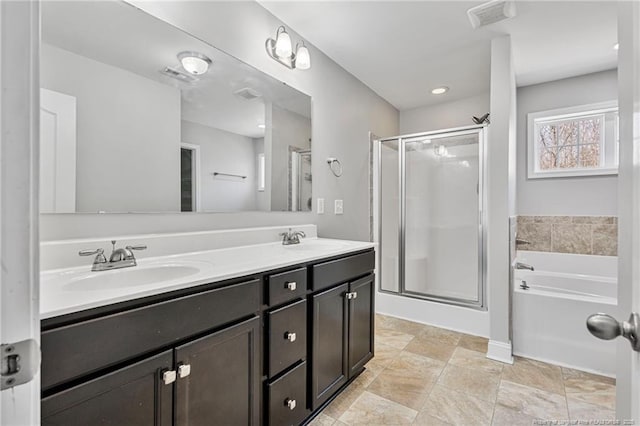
column 120, row 258
column 291, row 237
column 520, row 265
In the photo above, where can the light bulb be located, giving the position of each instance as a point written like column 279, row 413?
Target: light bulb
column 283, row 44
column 303, row 59
column 440, row 90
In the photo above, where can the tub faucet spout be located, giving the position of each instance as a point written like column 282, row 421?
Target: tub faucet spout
column 520, row 265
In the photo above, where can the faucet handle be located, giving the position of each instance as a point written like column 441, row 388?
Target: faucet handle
column 140, row 247
column 90, row 252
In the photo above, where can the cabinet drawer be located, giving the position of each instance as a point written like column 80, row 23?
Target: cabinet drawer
column 73, row 351
column 340, row 270
column 287, row 286
column 287, row 336
column 287, row 398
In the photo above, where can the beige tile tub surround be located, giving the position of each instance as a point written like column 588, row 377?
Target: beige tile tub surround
column 424, row 376
column 596, row 235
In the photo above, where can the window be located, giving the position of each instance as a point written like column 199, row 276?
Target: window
column 577, row 141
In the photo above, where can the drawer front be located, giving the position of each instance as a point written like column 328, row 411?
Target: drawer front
column 287, row 286
column 340, row 270
column 72, row 351
column 287, row 336
column 287, row 398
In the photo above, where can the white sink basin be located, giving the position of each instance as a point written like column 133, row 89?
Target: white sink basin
column 130, row 277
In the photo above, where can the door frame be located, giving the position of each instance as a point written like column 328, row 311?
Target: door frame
column 19, row 209
column 196, row 173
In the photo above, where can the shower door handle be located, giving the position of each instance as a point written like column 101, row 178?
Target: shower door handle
column 606, row 327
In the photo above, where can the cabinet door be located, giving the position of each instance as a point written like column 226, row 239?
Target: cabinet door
column 134, row 395
column 329, row 354
column 361, row 323
column 220, row 380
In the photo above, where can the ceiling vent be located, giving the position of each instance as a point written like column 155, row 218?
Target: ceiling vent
column 491, row 12
column 178, row 75
column 247, row 93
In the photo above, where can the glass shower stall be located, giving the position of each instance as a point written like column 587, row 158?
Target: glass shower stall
column 431, row 234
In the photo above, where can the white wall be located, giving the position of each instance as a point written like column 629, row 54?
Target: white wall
column 344, row 111
column 445, row 115
column 287, row 129
column 123, row 119
column 595, row 195
column 223, row 152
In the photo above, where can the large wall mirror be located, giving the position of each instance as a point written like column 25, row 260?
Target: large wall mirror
column 139, row 116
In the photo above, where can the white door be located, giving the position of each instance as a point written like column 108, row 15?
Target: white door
column 19, row 299
column 57, row 152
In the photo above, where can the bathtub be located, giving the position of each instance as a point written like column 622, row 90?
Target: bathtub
column 549, row 317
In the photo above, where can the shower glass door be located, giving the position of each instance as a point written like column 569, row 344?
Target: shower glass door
column 442, row 219
column 430, row 216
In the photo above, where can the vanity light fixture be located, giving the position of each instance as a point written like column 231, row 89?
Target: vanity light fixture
column 194, row 63
column 281, row 49
column 440, row 90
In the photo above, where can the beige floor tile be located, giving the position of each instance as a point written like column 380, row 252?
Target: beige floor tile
column 370, row 409
column 322, row 420
column 503, row 416
column 476, row 382
column 393, row 338
column 445, row 336
column 603, row 399
column 431, row 348
column 407, row 380
column 398, row 324
column 475, row 343
column 424, row 419
column 532, row 402
column 475, row 360
column 457, row 408
column 583, row 411
column 384, row 354
column 580, row 382
column 343, row 401
column 536, row 374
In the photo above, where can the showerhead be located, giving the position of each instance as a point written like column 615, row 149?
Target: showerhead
column 481, row 120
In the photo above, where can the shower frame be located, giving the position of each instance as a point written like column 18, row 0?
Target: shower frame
column 481, row 130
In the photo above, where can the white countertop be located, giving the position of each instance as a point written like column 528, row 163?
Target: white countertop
column 64, row 291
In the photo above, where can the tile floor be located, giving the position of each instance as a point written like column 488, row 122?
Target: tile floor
column 424, row 375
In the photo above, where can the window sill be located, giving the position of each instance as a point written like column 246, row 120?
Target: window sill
column 573, row 173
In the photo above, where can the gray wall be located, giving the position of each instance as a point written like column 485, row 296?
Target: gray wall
column 224, row 152
column 444, row 115
column 595, row 195
column 344, row 111
column 118, row 111
column 288, row 129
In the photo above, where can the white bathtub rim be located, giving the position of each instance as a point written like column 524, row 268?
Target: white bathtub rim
column 564, row 365
column 534, row 291
column 603, row 278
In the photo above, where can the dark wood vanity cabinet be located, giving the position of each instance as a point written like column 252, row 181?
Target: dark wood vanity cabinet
column 269, row 349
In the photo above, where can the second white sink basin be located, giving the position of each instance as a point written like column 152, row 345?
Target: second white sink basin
column 131, row 277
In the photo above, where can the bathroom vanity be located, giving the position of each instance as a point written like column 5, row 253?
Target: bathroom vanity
column 272, row 346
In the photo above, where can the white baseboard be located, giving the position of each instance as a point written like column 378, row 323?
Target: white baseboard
column 500, row 351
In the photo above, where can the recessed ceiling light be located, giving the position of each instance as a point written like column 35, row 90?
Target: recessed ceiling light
column 440, row 90
column 616, row 46
column 262, row 126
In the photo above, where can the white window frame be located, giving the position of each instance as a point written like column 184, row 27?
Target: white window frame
column 609, row 151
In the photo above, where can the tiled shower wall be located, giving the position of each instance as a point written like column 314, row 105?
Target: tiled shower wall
column 569, row 234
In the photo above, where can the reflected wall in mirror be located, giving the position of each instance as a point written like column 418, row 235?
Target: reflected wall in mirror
column 139, row 116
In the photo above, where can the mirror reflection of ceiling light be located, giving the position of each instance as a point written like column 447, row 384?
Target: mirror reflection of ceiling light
column 261, row 126
column 194, row 63
column 616, row 46
column 281, row 49
column 440, row 90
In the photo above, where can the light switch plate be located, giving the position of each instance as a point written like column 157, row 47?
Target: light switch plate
column 338, row 207
column 320, row 208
